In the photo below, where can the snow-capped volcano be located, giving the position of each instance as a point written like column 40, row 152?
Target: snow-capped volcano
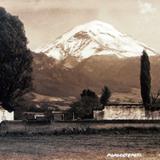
column 94, row 38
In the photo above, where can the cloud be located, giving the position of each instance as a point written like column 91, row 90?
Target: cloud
column 146, row 7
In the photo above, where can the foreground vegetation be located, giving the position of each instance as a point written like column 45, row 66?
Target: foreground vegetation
column 79, row 147
column 87, row 131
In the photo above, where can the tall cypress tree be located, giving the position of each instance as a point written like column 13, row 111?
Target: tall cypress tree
column 145, row 79
column 106, row 94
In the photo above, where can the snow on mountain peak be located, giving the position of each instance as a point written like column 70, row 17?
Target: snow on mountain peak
column 94, row 38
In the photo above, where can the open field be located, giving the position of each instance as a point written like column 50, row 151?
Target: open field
column 80, row 147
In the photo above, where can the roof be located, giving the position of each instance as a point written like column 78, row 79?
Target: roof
column 125, row 104
column 33, row 113
column 57, row 112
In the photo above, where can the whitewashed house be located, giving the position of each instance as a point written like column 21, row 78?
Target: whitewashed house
column 5, row 115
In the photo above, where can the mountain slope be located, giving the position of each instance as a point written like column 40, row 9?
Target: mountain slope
column 94, row 38
column 121, row 75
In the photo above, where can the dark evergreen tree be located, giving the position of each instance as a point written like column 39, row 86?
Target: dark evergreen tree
column 15, row 60
column 84, row 107
column 145, row 79
column 106, row 94
column 88, row 93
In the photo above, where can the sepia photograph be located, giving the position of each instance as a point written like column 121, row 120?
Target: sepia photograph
column 79, row 79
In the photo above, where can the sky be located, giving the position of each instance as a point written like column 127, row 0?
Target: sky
column 45, row 20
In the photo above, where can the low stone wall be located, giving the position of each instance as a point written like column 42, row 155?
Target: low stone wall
column 58, row 126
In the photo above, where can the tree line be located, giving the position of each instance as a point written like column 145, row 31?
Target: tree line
column 88, row 102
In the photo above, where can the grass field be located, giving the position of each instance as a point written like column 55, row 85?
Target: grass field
column 80, row 147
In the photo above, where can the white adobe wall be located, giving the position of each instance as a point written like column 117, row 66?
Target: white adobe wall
column 5, row 115
column 121, row 112
column 125, row 112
